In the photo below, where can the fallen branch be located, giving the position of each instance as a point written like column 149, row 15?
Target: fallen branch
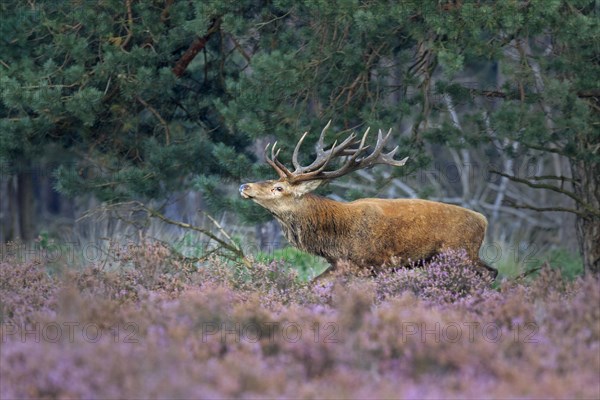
column 232, row 247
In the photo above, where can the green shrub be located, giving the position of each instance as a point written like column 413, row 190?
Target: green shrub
column 306, row 265
column 569, row 264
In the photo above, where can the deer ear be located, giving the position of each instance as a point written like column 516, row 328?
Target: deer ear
column 305, row 187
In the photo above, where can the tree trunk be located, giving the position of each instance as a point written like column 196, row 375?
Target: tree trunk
column 14, row 230
column 588, row 227
column 5, row 214
column 25, row 204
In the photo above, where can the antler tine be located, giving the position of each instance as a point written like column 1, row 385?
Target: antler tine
column 388, row 158
column 296, row 150
column 282, row 167
column 324, row 156
column 378, row 147
column 350, row 164
column 354, row 153
column 270, row 161
column 310, row 174
column 343, row 147
column 320, row 144
column 382, row 140
column 275, row 154
column 281, row 170
column 376, row 157
column 362, row 146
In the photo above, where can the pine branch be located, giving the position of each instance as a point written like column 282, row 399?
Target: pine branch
column 159, row 117
column 546, row 149
column 129, row 27
column 195, row 48
column 165, row 13
column 589, row 93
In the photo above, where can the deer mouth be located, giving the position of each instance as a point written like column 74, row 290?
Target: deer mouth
column 243, row 189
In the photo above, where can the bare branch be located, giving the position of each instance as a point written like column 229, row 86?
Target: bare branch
column 239, row 48
column 590, row 210
column 232, row 247
column 545, row 209
column 554, row 177
column 522, row 95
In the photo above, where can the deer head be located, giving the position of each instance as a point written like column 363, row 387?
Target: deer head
column 273, row 194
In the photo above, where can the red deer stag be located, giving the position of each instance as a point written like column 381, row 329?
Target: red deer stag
column 366, row 233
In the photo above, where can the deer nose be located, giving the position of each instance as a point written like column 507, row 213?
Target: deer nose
column 244, row 187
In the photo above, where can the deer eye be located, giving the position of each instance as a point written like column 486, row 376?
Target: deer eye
column 278, row 188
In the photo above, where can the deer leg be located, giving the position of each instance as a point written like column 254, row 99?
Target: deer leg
column 492, row 271
column 319, row 278
column 335, row 267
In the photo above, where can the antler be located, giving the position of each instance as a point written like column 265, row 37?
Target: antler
column 356, row 157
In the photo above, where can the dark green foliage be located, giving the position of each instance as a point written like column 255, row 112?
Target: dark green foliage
column 84, row 76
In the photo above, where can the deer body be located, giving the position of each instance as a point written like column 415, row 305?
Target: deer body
column 377, row 232
column 367, row 233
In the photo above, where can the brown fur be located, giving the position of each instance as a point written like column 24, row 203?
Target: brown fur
column 370, row 233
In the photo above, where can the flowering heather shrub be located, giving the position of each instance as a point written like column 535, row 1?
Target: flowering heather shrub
column 219, row 332
column 276, row 282
column 153, row 266
column 25, row 288
column 447, row 278
column 135, row 269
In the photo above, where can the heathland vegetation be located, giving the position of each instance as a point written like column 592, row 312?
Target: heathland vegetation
column 150, row 326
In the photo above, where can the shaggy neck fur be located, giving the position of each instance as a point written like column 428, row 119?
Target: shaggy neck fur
column 314, row 224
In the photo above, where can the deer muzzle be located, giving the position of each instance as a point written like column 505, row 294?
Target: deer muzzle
column 243, row 188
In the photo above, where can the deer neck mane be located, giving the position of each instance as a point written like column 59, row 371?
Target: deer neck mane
column 312, row 221
column 308, row 208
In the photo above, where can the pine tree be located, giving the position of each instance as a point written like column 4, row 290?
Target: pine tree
column 115, row 95
column 99, row 80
